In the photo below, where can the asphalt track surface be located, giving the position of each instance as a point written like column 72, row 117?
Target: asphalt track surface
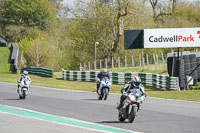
column 156, row 115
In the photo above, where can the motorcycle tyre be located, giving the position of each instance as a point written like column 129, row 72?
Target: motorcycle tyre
column 102, row 94
column 24, row 94
column 131, row 116
column 106, row 94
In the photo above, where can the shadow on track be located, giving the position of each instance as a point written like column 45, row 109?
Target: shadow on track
column 112, row 122
column 91, row 99
column 13, row 99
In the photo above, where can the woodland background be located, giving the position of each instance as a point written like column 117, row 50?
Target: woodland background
column 55, row 35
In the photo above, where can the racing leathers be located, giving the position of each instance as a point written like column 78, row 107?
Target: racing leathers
column 126, row 89
column 25, row 77
column 100, row 76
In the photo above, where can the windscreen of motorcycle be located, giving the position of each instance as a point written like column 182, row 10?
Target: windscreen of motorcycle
column 132, row 97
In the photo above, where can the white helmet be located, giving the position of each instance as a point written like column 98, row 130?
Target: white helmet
column 136, row 81
column 25, row 72
column 105, row 70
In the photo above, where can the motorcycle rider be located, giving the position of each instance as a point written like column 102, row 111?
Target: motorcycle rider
column 100, row 76
column 135, row 83
column 23, row 76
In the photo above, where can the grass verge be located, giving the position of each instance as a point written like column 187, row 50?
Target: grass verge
column 158, row 68
column 57, row 82
column 4, row 55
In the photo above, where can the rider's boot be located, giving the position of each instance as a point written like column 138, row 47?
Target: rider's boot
column 122, row 98
column 18, row 89
column 120, row 104
column 97, row 91
column 98, row 85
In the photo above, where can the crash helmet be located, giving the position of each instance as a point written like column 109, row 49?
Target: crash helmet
column 104, row 71
column 136, row 81
column 25, row 72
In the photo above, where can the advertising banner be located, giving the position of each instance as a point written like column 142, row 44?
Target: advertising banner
column 171, row 37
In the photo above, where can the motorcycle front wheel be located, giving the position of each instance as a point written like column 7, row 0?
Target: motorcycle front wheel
column 132, row 115
column 106, row 94
column 24, row 94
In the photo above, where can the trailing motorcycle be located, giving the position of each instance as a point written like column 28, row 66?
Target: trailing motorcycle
column 130, row 105
column 23, row 88
column 104, row 88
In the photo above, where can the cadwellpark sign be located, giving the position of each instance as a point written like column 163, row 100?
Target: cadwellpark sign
column 171, row 37
column 176, row 38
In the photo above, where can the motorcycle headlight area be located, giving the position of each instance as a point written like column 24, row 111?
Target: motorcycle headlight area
column 103, row 83
column 132, row 98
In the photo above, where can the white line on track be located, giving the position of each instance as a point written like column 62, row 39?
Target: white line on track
column 63, row 117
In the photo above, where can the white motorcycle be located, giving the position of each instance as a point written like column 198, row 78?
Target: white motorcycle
column 23, row 88
column 130, row 105
column 104, row 88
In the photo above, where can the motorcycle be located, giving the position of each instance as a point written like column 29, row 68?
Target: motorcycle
column 104, row 88
column 23, row 88
column 130, row 106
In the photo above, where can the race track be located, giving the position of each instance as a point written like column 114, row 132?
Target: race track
column 156, row 116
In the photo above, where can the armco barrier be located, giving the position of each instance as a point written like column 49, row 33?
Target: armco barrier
column 160, row 82
column 39, row 71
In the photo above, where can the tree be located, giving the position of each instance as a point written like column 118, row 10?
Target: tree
column 26, row 13
column 184, row 15
column 104, row 22
column 40, row 50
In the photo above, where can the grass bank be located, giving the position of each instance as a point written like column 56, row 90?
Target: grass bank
column 152, row 68
column 4, row 55
column 57, row 82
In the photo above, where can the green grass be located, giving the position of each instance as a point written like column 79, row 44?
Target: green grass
column 159, row 68
column 136, row 70
column 4, row 55
column 190, row 95
column 197, row 87
column 57, row 82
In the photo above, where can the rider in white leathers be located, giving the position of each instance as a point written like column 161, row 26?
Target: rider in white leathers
column 23, row 76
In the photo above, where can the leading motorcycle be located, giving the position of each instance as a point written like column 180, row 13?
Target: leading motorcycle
column 23, row 88
column 130, row 105
column 104, row 88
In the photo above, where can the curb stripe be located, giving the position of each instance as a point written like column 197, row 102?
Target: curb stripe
column 61, row 120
